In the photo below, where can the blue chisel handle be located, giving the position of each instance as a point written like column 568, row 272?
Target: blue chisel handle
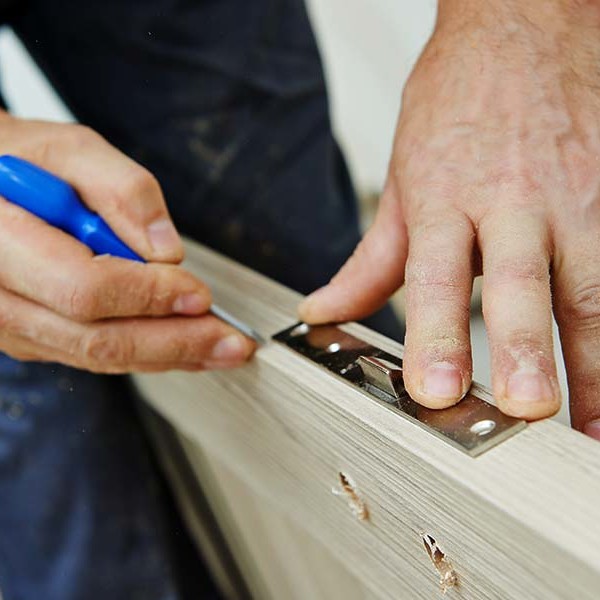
column 56, row 202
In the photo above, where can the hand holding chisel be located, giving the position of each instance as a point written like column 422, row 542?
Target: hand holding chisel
column 105, row 321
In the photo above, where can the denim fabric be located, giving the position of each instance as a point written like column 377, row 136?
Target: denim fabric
column 83, row 513
column 225, row 101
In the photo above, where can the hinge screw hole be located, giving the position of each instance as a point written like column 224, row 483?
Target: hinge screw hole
column 483, row 427
column 299, row 330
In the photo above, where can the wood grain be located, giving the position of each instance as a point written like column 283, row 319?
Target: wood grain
column 521, row 521
column 279, row 558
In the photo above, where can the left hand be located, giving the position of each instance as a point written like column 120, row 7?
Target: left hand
column 495, row 169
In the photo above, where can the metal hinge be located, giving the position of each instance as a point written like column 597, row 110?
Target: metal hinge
column 473, row 425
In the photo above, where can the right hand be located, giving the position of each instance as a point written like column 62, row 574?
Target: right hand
column 60, row 303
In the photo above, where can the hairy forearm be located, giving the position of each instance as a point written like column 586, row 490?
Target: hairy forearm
column 557, row 23
column 559, row 36
column 552, row 14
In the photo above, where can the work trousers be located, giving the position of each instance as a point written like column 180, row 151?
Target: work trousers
column 225, row 102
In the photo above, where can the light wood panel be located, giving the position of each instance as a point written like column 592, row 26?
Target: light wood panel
column 521, row 521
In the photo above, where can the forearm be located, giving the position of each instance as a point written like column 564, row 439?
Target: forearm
column 568, row 30
column 551, row 14
column 547, row 43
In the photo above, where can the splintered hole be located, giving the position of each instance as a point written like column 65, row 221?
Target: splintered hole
column 355, row 502
column 443, row 566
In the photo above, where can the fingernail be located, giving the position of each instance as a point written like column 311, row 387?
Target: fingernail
column 231, row 348
column 593, row 429
column 529, row 386
column 442, row 380
column 189, row 304
column 163, row 237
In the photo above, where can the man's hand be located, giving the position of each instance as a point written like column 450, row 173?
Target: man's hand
column 495, row 169
column 60, row 303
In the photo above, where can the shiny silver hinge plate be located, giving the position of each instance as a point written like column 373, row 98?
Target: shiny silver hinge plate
column 473, row 425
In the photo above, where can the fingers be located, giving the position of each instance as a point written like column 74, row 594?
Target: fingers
column 517, row 308
column 125, row 194
column 370, row 276
column 153, row 344
column 577, row 309
column 437, row 359
column 120, row 345
column 45, row 265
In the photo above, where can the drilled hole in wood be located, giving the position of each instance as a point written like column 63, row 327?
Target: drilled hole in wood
column 440, row 561
column 349, row 490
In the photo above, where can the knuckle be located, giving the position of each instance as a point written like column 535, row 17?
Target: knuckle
column 524, row 341
column 85, row 299
column 522, row 348
column 139, row 182
column 515, row 269
column 524, row 179
column 582, row 170
column 183, row 350
column 133, row 292
column 194, row 345
column 135, row 185
column 582, row 304
column 82, row 136
column 105, row 350
column 148, row 293
column 431, row 273
column 81, row 304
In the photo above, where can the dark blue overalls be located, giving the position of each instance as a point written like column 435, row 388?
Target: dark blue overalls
column 225, row 102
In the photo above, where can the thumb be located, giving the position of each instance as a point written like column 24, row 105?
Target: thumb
column 370, row 276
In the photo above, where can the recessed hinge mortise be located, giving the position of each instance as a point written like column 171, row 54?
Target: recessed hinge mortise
column 473, row 425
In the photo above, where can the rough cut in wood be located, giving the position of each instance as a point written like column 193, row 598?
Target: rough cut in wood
column 448, row 577
column 521, row 521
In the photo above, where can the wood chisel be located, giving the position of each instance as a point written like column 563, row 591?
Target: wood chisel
column 56, row 202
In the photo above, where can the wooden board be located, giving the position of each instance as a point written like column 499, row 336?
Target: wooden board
column 520, row 521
